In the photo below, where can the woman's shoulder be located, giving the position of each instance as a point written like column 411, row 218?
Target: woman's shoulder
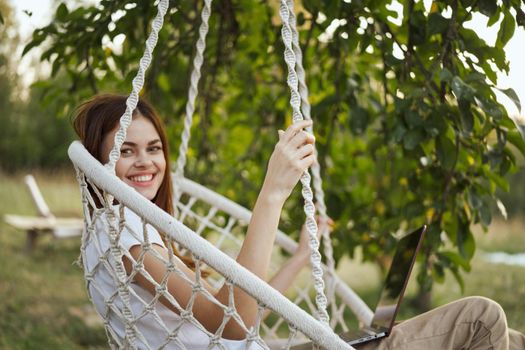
column 133, row 229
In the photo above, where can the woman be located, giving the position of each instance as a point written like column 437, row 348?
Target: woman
column 470, row 323
column 144, row 165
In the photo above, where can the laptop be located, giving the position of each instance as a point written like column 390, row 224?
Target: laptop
column 391, row 295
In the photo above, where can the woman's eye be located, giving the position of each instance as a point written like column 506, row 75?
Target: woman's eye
column 126, row 151
column 155, row 149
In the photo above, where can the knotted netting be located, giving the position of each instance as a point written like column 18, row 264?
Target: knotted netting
column 136, row 318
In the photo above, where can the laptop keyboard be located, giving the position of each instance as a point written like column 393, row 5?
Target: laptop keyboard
column 357, row 334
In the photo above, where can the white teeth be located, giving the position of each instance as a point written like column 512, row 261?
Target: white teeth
column 141, row 178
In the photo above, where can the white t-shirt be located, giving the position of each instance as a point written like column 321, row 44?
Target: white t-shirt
column 155, row 331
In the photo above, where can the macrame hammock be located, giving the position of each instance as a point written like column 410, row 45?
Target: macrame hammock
column 218, row 219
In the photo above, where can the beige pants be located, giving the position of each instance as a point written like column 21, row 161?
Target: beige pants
column 473, row 323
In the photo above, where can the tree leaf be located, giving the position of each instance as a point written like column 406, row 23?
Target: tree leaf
column 418, row 28
column 465, row 116
column 489, row 107
column 515, row 138
column 506, row 29
column 358, row 119
column 412, row 118
column 500, row 181
column 446, row 152
column 494, row 19
column 445, row 75
column 520, row 17
column 465, row 242
column 1, row 18
column 474, row 200
column 438, row 273
column 450, row 258
column 398, row 133
column 413, row 138
column 38, row 38
column 513, row 96
column 62, row 12
column 461, row 89
column 488, row 7
column 436, row 24
column 485, row 215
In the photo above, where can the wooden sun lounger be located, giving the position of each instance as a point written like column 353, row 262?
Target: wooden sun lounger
column 46, row 222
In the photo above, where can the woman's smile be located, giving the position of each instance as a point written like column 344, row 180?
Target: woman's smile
column 143, row 180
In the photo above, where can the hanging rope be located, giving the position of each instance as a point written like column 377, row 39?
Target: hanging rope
column 138, row 83
column 193, row 91
column 316, row 169
column 309, row 208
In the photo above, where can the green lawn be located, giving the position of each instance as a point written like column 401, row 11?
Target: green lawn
column 43, row 303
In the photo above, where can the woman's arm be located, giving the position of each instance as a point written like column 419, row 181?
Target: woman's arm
column 284, row 278
column 293, row 154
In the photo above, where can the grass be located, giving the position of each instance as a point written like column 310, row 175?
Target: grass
column 44, row 305
column 43, row 302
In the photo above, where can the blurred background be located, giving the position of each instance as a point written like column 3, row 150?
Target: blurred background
column 417, row 115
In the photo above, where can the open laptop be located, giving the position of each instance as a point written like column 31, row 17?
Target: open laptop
column 391, row 295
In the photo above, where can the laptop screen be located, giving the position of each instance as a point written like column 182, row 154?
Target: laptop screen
column 397, row 279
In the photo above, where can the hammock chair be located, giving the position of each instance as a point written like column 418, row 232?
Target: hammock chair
column 218, row 219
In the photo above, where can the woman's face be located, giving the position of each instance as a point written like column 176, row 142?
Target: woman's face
column 141, row 164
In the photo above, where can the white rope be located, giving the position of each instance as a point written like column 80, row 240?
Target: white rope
column 193, row 91
column 138, row 83
column 316, row 168
column 309, row 208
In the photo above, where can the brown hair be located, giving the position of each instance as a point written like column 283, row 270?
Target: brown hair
column 100, row 115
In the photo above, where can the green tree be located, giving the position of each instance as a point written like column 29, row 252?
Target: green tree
column 408, row 127
column 31, row 135
column 8, row 81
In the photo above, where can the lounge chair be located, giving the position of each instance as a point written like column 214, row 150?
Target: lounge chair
column 46, row 222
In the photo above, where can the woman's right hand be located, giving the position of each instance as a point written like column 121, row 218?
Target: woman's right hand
column 292, row 155
column 303, row 248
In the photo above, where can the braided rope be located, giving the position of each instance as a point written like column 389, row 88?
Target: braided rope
column 138, row 83
column 193, row 90
column 316, row 168
column 309, row 208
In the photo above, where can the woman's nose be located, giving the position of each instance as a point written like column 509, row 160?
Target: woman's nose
column 142, row 159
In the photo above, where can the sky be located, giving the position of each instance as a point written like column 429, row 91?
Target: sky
column 515, row 50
